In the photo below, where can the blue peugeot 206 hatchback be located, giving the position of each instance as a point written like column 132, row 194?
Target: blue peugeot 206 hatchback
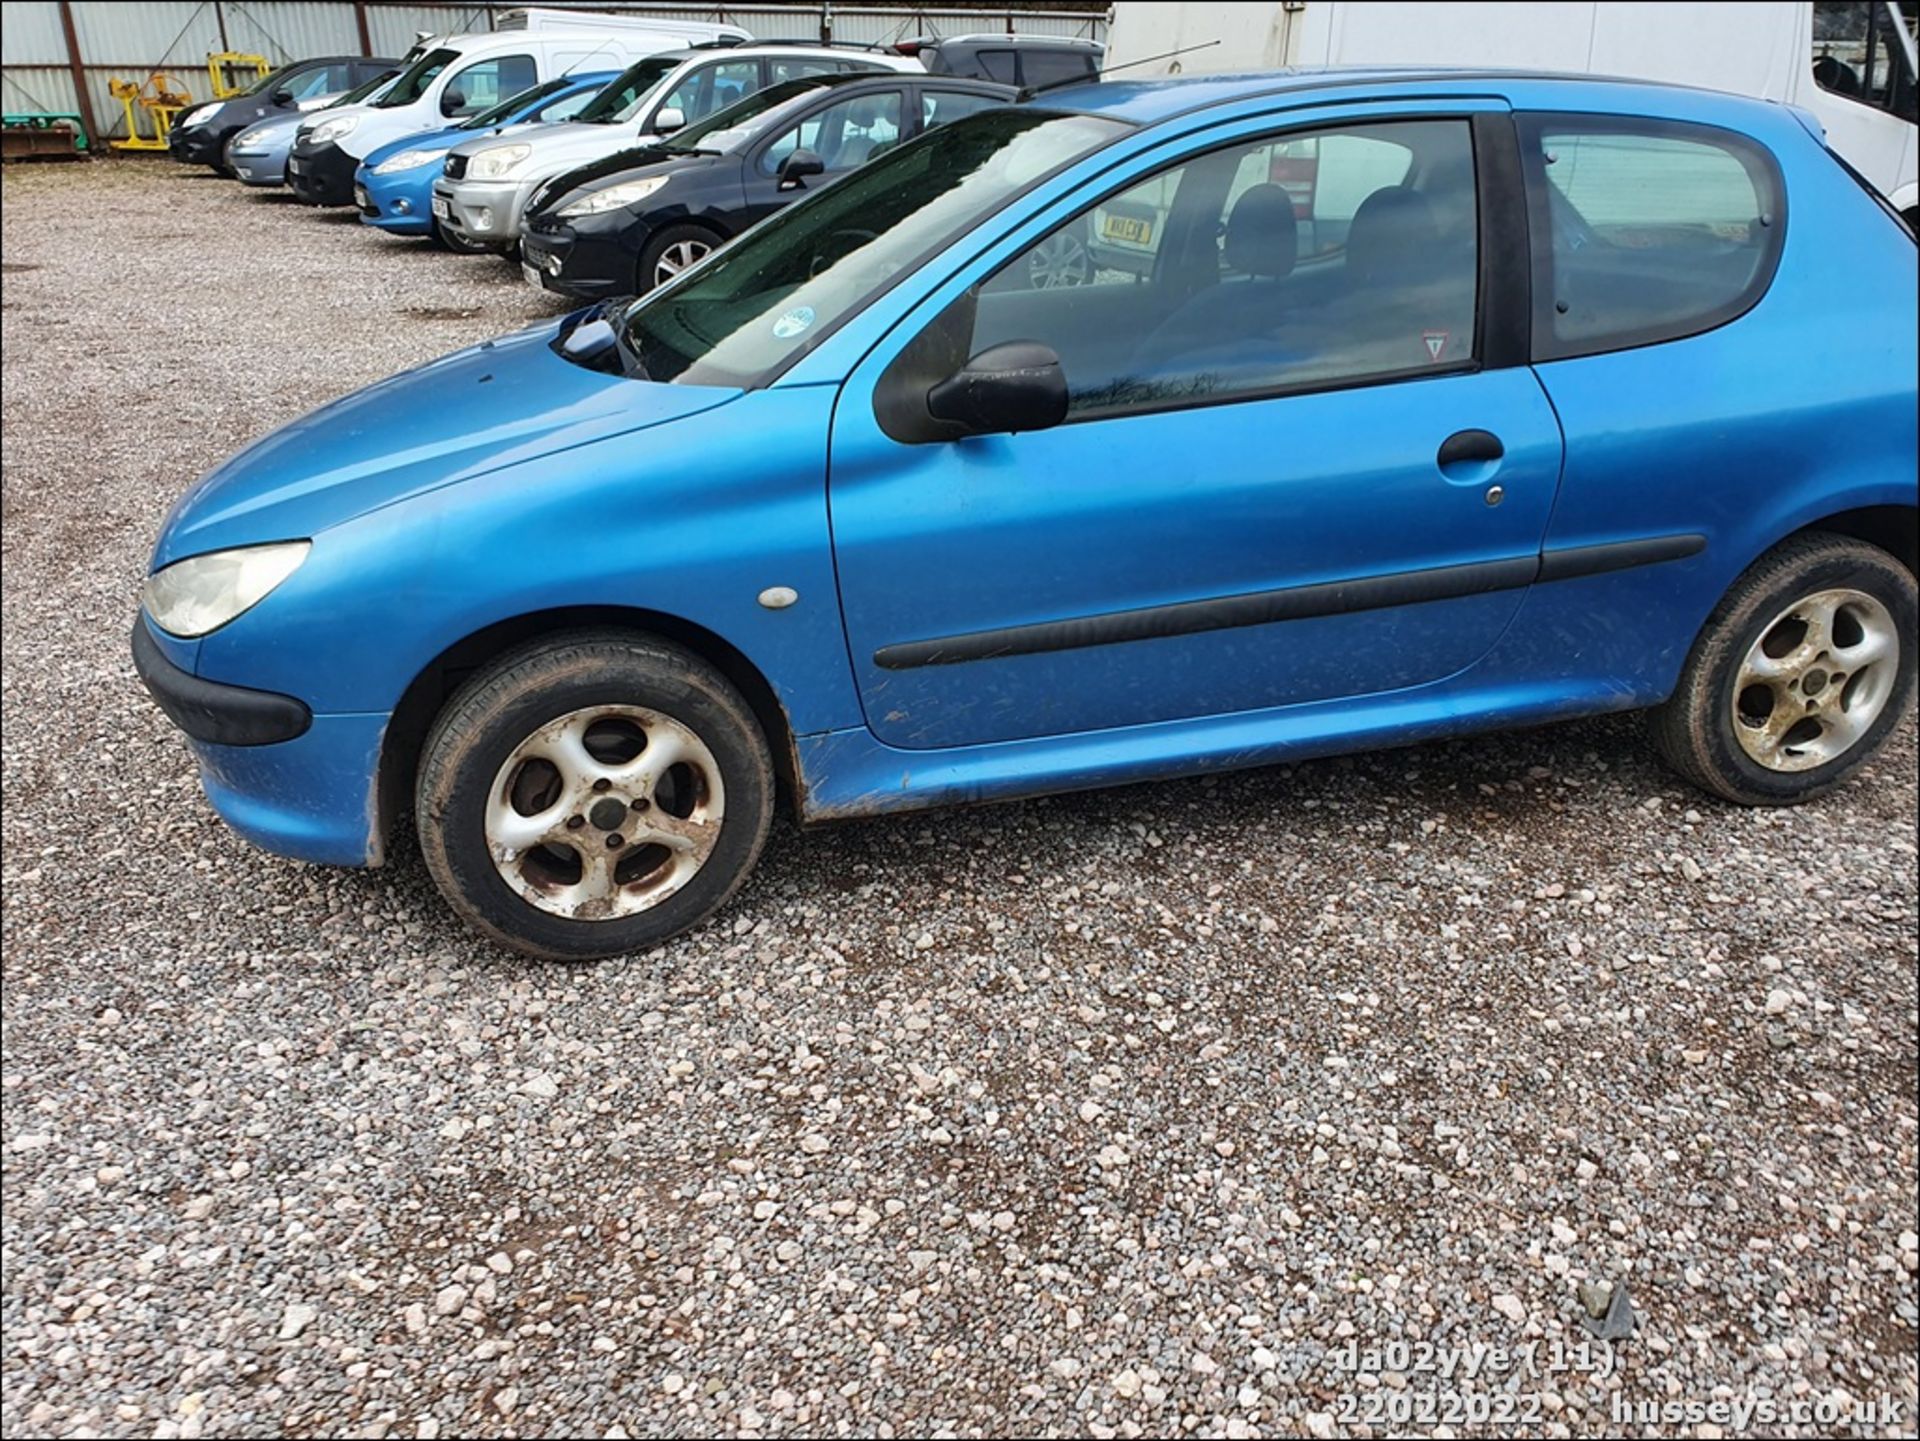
column 1385, row 406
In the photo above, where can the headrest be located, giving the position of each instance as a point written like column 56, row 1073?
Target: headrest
column 1393, row 233
column 1262, row 238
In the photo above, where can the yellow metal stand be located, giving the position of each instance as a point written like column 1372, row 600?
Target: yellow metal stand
column 162, row 104
column 224, row 65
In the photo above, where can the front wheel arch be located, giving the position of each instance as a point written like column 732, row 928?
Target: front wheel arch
column 435, row 684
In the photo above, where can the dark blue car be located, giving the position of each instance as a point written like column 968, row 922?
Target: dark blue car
column 1426, row 404
column 393, row 186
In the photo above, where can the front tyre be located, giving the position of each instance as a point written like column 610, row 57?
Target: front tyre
column 1798, row 675
column 593, row 794
column 672, row 251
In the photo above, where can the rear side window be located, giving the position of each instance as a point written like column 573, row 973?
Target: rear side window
column 1048, row 67
column 1644, row 230
column 1002, row 66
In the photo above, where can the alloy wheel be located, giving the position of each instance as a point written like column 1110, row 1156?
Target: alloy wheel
column 1816, row 680
column 605, row 812
column 1061, row 259
column 677, row 257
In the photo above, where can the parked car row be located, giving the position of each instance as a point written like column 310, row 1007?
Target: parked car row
column 604, row 180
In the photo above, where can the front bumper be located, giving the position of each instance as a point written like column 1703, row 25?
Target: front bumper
column 310, row 795
column 485, row 212
column 396, row 203
column 258, row 167
column 584, row 261
column 322, row 174
column 198, row 144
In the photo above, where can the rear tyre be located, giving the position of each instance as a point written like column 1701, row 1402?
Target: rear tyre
column 593, row 794
column 672, row 251
column 1799, row 674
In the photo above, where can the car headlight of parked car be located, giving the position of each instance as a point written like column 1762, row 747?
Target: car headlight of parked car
column 256, row 136
column 407, row 160
column 492, row 164
column 328, row 130
column 204, row 592
column 614, row 197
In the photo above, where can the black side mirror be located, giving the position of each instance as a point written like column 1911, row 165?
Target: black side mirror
column 282, row 97
column 453, row 102
column 797, row 167
column 1008, row 388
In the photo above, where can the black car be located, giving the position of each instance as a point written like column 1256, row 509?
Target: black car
column 200, row 133
column 1029, row 61
column 625, row 224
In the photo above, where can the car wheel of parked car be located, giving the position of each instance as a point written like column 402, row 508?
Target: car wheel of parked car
column 459, row 244
column 593, row 794
column 1061, row 259
column 672, row 251
column 1799, row 674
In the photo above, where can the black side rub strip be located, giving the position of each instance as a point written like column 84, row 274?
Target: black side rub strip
column 227, row 715
column 1304, row 602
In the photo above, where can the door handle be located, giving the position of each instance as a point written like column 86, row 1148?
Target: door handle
column 1464, row 447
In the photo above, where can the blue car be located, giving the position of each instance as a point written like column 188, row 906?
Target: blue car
column 393, row 186
column 1449, row 401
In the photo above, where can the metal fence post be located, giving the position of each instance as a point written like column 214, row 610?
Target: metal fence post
column 82, row 101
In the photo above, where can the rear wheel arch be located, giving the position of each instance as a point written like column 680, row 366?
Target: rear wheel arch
column 1893, row 528
column 429, row 691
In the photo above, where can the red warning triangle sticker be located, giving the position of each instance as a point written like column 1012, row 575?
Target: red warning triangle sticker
column 1436, row 342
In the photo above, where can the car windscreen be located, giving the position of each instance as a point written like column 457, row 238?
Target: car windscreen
column 266, row 83
column 505, row 111
column 415, row 79
column 760, row 303
column 363, row 92
column 623, row 99
column 725, row 129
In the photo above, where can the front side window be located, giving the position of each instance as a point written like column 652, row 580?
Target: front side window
column 321, row 80
column 1312, row 259
column 844, row 135
column 763, row 301
column 712, row 88
column 1857, row 53
column 484, row 85
column 1644, row 230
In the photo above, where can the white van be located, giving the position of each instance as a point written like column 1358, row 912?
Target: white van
column 1849, row 62
column 454, row 76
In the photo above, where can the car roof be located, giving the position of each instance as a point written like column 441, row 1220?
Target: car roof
column 1146, row 102
column 1014, row 41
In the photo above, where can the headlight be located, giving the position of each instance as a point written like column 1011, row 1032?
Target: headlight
column 204, row 592
column 333, row 129
column 407, row 160
column 252, row 137
column 492, row 164
column 614, row 197
column 199, row 117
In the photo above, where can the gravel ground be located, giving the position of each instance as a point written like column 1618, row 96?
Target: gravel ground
column 1122, row 1113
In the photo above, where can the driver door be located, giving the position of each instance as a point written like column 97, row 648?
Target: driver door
column 1260, row 496
column 844, row 133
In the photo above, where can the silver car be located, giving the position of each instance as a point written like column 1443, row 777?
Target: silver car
column 258, row 154
column 483, row 192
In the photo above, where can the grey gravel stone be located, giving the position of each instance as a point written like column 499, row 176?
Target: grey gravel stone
column 1241, row 1068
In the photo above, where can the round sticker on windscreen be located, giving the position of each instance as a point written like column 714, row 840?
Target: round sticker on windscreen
column 793, row 322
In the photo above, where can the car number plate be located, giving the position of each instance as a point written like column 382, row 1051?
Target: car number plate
column 294, row 167
column 441, row 209
column 1127, row 228
column 531, row 274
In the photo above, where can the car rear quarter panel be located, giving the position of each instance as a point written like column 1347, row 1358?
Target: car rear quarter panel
column 1801, row 408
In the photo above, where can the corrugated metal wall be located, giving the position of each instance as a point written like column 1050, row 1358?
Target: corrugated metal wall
column 132, row 40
